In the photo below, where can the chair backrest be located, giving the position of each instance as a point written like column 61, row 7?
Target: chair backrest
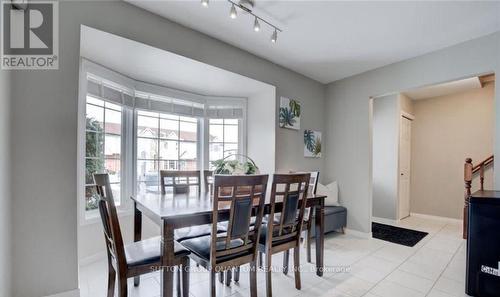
column 208, row 179
column 245, row 196
column 313, row 182
column 180, row 180
column 291, row 190
column 109, row 217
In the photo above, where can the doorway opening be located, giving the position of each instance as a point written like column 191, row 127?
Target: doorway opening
column 421, row 138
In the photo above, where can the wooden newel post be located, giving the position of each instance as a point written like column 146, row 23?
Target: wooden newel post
column 468, row 183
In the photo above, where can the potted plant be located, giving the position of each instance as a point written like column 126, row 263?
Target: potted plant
column 235, row 167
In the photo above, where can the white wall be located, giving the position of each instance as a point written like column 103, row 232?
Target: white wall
column 261, row 136
column 386, row 113
column 348, row 121
column 446, row 130
column 5, row 176
column 44, row 129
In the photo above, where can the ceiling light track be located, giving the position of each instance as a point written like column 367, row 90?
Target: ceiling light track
column 233, row 14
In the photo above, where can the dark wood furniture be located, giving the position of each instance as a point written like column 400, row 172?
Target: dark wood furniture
column 483, row 245
column 174, row 211
column 208, row 179
column 308, row 223
column 313, row 184
column 180, row 180
column 283, row 228
column 245, row 195
column 140, row 257
column 469, row 171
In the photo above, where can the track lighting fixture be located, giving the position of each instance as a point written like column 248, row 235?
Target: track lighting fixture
column 274, row 37
column 232, row 12
column 246, row 6
column 256, row 25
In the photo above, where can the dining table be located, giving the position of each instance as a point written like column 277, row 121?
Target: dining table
column 174, row 211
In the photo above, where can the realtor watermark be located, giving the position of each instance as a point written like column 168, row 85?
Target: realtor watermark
column 30, row 35
column 491, row 270
column 246, row 268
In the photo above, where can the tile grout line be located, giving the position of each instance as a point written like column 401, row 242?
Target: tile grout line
column 430, row 238
column 447, row 265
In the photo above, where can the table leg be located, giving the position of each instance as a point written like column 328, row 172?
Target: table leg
column 167, row 260
column 320, row 237
column 137, row 234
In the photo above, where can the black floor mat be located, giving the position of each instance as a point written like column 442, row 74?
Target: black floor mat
column 397, row 235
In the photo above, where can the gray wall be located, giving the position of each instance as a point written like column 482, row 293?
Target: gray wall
column 5, row 235
column 44, row 126
column 348, row 120
column 386, row 114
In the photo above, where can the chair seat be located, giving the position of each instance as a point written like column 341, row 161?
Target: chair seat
column 192, row 232
column 263, row 237
column 201, row 247
column 195, row 231
column 149, row 251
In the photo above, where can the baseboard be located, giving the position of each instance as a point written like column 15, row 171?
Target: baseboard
column 426, row 216
column 385, row 221
column 72, row 293
column 367, row 235
column 92, row 259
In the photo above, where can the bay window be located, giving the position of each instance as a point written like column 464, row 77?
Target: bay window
column 132, row 130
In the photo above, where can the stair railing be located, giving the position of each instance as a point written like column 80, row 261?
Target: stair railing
column 469, row 172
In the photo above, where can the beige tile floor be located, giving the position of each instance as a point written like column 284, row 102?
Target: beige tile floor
column 355, row 267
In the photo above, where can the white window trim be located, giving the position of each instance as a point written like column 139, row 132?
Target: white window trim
column 242, row 139
column 129, row 156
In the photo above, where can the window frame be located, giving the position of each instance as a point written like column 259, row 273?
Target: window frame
column 129, row 134
column 241, row 138
column 199, row 149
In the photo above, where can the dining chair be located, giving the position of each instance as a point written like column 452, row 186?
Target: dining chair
column 282, row 231
column 180, row 180
column 308, row 219
column 208, row 179
column 244, row 196
column 135, row 259
column 308, row 223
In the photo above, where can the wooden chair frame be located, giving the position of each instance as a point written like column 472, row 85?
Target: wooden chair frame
column 117, row 263
column 176, row 176
column 277, row 240
column 313, row 186
column 245, row 196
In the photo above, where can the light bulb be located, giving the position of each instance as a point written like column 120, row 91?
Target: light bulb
column 274, row 37
column 256, row 25
column 232, row 12
column 204, row 3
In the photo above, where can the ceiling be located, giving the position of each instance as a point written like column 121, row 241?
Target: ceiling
column 152, row 65
column 330, row 40
column 443, row 89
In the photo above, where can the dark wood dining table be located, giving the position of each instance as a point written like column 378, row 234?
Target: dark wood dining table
column 174, row 211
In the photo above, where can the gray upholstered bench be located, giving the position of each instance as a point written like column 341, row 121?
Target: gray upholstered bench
column 335, row 219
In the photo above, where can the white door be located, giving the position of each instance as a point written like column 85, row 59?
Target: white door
column 404, row 167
